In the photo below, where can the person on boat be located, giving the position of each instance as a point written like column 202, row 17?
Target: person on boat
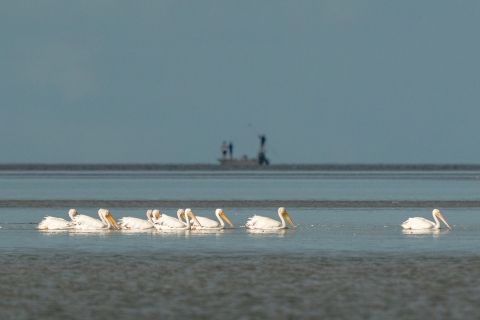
column 230, row 149
column 262, row 159
column 224, row 149
column 262, row 141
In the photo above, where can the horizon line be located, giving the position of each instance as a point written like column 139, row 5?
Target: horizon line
column 210, row 166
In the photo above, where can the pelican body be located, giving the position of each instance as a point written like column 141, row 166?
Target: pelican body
column 53, row 223
column 418, row 223
column 130, row 223
column 207, row 223
column 266, row 223
column 83, row 222
column 165, row 222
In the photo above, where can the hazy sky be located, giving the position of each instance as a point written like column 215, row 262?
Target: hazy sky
column 168, row 81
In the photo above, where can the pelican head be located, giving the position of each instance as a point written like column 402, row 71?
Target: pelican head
column 181, row 214
column 72, row 213
column 188, row 213
column 438, row 214
column 149, row 214
column 219, row 213
column 156, row 214
column 106, row 214
column 283, row 212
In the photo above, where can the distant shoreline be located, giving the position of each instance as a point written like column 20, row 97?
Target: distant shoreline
column 216, row 167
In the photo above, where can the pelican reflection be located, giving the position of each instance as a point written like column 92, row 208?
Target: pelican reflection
column 266, row 232
column 210, row 232
column 100, row 232
column 433, row 232
column 172, row 233
column 49, row 232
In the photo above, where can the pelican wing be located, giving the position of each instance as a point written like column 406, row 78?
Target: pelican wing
column 168, row 222
column 259, row 222
column 83, row 222
column 53, row 223
column 134, row 223
column 418, row 223
column 205, row 222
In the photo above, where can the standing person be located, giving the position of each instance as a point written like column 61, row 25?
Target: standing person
column 261, row 154
column 230, row 149
column 262, row 141
column 224, row 149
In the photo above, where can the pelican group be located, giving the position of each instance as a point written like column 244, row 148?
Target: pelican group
column 155, row 219
column 418, row 223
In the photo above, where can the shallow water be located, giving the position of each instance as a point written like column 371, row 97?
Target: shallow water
column 212, row 185
column 348, row 230
column 61, row 285
column 349, row 261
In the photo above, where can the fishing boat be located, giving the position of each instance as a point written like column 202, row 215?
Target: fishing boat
column 239, row 162
column 245, row 161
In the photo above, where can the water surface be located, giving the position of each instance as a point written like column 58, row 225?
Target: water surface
column 348, row 258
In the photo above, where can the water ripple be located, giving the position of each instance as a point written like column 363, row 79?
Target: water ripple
column 75, row 285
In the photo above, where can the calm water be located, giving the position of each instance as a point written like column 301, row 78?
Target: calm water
column 340, row 262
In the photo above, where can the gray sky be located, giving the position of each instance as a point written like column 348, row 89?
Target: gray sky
column 168, row 81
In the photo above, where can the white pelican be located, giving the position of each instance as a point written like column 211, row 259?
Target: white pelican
column 83, row 222
column 259, row 222
column 164, row 222
column 418, row 223
column 207, row 223
column 53, row 223
column 130, row 223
